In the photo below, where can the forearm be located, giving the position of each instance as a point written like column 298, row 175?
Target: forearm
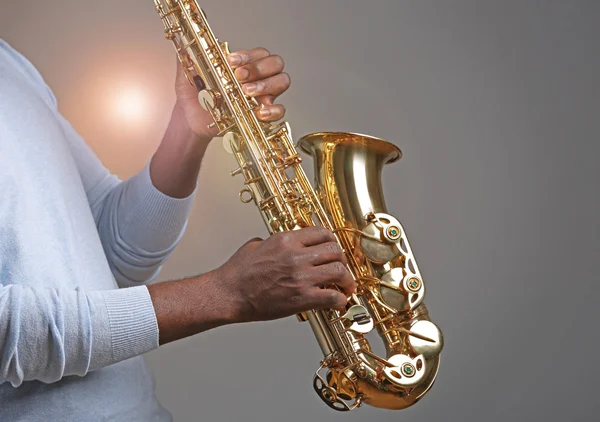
column 190, row 306
column 142, row 219
column 175, row 166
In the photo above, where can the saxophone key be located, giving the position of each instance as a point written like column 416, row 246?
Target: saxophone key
column 209, row 99
column 246, row 195
column 290, row 161
column 358, row 318
column 232, row 142
column 225, row 48
column 186, row 46
column 240, row 169
column 253, row 180
column 425, row 338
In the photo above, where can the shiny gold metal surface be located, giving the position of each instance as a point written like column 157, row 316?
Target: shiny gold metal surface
column 348, row 200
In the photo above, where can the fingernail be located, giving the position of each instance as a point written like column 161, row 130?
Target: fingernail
column 265, row 112
column 250, row 88
column 234, row 59
column 242, row 74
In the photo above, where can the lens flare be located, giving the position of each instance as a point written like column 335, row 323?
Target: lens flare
column 131, row 104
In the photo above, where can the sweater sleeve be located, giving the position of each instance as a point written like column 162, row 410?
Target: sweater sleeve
column 46, row 334
column 139, row 226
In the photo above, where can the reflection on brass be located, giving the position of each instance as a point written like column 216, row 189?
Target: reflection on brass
column 425, row 339
column 208, row 99
column 231, row 142
column 348, row 200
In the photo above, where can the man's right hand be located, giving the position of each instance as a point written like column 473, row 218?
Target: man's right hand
column 286, row 274
column 268, row 279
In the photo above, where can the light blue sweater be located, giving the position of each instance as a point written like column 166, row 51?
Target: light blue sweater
column 71, row 234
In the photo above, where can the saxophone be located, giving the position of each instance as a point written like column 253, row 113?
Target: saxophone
column 348, row 200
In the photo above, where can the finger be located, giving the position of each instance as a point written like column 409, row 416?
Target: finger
column 260, row 69
column 327, row 299
column 183, row 88
column 311, row 236
column 265, row 100
column 271, row 113
column 243, row 57
column 273, row 86
column 334, row 273
column 325, row 253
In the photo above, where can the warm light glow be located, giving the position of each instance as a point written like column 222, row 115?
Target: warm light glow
column 131, row 104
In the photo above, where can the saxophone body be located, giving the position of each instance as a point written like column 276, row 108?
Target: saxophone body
column 347, row 199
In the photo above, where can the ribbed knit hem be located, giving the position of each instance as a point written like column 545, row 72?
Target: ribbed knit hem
column 156, row 211
column 132, row 321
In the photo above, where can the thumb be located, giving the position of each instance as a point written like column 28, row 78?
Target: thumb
column 188, row 84
column 180, row 77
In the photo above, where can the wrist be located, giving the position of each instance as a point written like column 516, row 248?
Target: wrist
column 189, row 306
column 229, row 303
column 176, row 164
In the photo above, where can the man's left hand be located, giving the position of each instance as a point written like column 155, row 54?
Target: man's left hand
column 261, row 75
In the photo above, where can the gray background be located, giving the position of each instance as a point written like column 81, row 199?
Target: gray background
column 496, row 107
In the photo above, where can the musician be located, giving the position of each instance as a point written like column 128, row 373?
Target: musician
column 78, row 248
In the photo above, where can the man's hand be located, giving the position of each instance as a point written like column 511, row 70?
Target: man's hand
column 261, row 74
column 286, row 274
column 176, row 164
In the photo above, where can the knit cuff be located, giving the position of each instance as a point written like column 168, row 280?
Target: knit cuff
column 131, row 322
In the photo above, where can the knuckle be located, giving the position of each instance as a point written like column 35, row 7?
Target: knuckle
column 243, row 55
column 336, row 298
column 279, row 63
column 295, row 235
column 299, row 278
column 295, row 260
column 326, row 233
column 322, row 231
column 263, row 51
column 336, row 250
column 287, row 241
column 282, row 239
column 339, row 270
column 264, row 86
column 258, row 88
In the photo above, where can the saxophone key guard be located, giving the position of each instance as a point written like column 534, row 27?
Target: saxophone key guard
column 409, row 286
column 406, row 371
column 359, row 318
